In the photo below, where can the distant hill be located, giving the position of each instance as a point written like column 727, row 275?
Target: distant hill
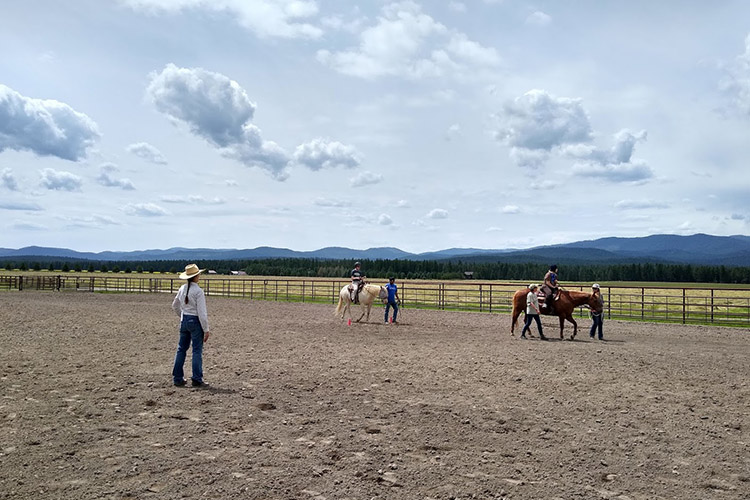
column 699, row 249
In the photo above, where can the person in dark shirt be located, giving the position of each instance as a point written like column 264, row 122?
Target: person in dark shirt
column 358, row 280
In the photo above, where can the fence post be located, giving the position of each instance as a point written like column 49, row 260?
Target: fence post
column 683, row 306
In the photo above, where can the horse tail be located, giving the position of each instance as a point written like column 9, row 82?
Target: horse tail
column 338, row 307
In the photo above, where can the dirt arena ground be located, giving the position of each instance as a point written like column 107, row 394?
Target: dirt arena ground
column 301, row 406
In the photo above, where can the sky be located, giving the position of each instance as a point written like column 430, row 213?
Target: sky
column 422, row 125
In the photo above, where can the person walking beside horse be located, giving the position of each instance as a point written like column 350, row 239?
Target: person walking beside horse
column 393, row 299
column 564, row 307
column 532, row 313
column 597, row 318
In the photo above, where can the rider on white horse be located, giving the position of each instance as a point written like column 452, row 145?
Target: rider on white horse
column 358, row 279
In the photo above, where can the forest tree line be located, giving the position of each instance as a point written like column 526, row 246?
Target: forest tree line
column 408, row 269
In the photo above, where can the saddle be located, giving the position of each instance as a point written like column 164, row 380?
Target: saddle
column 354, row 292
column 542, row 301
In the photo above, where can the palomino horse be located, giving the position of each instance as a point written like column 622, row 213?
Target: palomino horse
column 366, row 297
column 563, row 307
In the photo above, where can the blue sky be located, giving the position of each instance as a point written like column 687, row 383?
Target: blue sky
column 138, row 124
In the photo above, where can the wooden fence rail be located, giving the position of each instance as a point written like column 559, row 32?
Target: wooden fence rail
column 699, row 305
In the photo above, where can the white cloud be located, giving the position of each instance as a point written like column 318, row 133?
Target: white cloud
column 437, row 213
column 385, row 220
column 7, row 180
column 44, row 127
column 365, row 178
column 105, row 178
column 538, row 18
column 20, row 205
column 408, row 43
column 28, row 226
column 265, row 18
column 402, row 204
column 60, row 181
column 510, row 209
column 320, row 153
column 323, row 202
column 639, row 204
column 91, row 221
column 615, row 164
column 193, row 199
column 538, row 121
column 736, row 83
column 628, row 172
column 218, row 110
column 454, row 131
column 144, row 210
column 147, row 152
column 231, row 183
column 493, row 229
column 543, row 185
column 457, row 6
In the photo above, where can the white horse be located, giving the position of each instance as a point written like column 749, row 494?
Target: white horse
column 367, row 296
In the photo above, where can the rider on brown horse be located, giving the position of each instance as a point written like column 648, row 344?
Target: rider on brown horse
column 550, row 288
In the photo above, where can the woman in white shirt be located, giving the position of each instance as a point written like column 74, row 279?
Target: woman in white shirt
column 532, row 313
column 190, row 305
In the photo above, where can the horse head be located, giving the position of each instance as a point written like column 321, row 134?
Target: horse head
column 383, row 294
column 594, row 303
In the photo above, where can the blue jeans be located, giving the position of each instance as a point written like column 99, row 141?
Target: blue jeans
column 527, row 324
column 597, row 325
column 388, row 308
column 190, row 331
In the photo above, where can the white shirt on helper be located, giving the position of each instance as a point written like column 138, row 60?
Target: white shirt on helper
column 531, row 298
column 196, row 305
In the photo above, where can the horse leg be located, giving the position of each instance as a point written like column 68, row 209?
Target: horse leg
column 369, row 306
column 575, row 326
column 562, row 325
column 514, row 318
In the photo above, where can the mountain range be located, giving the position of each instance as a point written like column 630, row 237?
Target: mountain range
column 698, row 249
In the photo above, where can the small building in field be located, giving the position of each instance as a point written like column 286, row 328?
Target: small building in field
column 212, row 271
column 468, row 275
column 238, row 273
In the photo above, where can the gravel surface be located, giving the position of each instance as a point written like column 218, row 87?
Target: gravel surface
column 443, row 405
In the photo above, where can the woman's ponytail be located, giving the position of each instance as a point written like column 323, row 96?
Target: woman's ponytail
column 187, row 290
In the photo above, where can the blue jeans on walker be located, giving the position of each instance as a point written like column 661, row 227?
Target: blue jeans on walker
column 527, row 324
column 395, row 310
column 597, row 325
column 190, row 331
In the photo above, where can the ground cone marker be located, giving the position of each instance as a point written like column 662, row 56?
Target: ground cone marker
column 349, row 323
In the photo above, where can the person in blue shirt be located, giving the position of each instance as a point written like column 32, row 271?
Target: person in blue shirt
column 393, row 299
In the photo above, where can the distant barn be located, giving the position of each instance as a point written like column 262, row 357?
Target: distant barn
column 238, row 273
column 468, row 275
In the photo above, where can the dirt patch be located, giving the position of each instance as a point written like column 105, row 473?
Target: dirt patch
column 300, row 405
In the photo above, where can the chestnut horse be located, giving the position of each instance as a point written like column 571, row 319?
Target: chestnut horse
column 563, row 308
column 367, row 296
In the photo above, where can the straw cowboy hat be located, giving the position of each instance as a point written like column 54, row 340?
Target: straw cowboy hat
column 191, row 270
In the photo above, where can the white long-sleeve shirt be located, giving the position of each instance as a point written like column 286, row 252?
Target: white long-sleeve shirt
column 196, row 305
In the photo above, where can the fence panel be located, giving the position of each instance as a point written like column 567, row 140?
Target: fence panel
column 687, row 305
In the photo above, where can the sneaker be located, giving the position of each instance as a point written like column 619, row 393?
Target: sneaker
column 180, row 383
column 197, row 383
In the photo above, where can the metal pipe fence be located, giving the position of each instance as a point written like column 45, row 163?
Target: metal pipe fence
column 686, row 305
